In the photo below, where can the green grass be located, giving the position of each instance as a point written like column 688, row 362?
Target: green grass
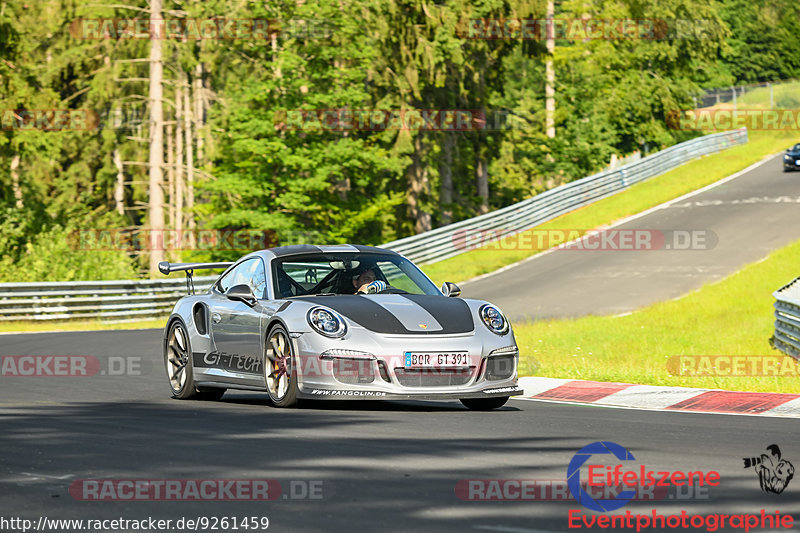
column 689, row 177
column 76, row 325
column 731, row 317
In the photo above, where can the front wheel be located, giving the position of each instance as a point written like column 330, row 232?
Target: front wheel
column 280, row 374
column 484, row 404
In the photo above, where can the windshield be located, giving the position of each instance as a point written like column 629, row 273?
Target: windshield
column 340, row 273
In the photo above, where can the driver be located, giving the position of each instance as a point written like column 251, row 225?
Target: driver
column 367, row 283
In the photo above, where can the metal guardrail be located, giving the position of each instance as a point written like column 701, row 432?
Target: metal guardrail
column 787, row 319
column 112, row 301
column 448, row 241
column 120, row 301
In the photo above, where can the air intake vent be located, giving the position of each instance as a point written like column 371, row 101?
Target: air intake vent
column 353, row 371
column 498, row 368
column 434, row 377
column 200, row 320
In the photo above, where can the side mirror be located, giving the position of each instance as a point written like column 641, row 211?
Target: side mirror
column 450, row 289
column 242, row 293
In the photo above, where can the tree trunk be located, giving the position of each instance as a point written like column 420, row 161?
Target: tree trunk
column 418, row 187
column 178, row 225
column 550, row 74
column 446, row 176
column 15, row 182
column 482, row 182
column 171, row 173
column 276, row 69
column 199, row 112
column 119, row 189
column 187, row 125
column 156, row 194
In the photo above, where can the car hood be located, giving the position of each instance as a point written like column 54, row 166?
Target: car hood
column 401, row 313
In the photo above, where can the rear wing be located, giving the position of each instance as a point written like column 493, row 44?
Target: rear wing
column 165, row 267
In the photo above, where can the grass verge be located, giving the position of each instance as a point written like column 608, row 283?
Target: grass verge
column 730, row 317
column 682, row 180
column 76, row 325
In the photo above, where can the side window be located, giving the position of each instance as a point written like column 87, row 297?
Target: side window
column 227, row 280
column 257, row 279
column 240, row 277
column 251, row 273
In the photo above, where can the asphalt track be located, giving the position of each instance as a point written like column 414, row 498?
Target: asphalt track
column 739, row 222
column 376, row 466
column 395, row 466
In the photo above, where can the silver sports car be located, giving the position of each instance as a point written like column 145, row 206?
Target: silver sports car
column 336, row 322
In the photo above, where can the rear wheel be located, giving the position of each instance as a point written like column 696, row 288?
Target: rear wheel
column 484, row 404
column 178, row 361
column 280, row 374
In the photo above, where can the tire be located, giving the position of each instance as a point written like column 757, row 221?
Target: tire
column 280, row 376
column 484, row 404
column 178, row 363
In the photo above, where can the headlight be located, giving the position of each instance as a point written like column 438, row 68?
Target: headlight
column 787, row 157
column 326, row 322
column 494, row 319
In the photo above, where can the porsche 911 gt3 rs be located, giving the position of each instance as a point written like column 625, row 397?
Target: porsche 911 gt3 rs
column 336, row 322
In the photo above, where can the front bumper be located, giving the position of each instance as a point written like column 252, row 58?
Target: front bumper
column 792, row 163
column 354, row 394
column 369, row 366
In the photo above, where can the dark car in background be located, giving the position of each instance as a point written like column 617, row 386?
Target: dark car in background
column 791, row 159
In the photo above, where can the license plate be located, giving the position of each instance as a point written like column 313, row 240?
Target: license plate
column 436, row 359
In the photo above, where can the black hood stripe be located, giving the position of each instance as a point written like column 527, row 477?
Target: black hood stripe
column 454, row 315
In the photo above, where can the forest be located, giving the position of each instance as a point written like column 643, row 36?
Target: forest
column 333, row 121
